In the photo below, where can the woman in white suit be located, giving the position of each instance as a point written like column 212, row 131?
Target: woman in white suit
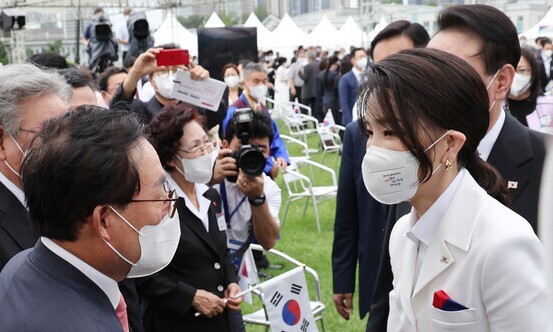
column 462, row 260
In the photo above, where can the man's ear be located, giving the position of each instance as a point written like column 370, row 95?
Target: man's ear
column 3, row 154
column 101, row 222
column 504, row 79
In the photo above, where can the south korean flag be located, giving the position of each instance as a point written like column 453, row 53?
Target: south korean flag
column 287, row 301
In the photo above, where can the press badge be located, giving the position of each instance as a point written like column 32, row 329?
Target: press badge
column 221, row 221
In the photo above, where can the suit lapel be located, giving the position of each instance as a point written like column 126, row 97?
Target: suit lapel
column 456, row 228
column 16, row 219
column 512, row 149
column 407, row 278
column 438, row 258
column 191, row 221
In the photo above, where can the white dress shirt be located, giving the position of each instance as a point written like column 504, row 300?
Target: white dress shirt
column 238, row 231
column 425, row 227
column 15, row 190
column 487, row 143
column 203, row 201
column 106, row 284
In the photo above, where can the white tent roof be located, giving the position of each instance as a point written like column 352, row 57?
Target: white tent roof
column 287, row 34
column 214, row 21
column 379, row 27
column 543, row 28
column 324, row 34
column 350, row 34
column 171, row 31
column 263, row 34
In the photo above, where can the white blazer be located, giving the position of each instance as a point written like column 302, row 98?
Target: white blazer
column 484, row 256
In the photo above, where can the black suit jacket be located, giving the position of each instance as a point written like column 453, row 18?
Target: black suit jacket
column 16, row 233
column 358, row 226
column 199, row 263
column 541, row 70
column 518, row 154
column 39, row 291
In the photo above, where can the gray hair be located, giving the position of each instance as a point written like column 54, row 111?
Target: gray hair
column 20, row 82
column 253, row 67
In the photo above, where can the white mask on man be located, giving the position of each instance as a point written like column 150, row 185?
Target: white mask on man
column 165, row 85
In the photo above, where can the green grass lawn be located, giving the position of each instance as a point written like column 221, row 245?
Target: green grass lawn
column 299, row 238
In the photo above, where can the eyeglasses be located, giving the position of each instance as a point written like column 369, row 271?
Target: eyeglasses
column 197, row 145
column 32, row 131
column 171, row 199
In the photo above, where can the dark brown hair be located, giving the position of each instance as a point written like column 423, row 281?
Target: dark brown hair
column 227, row 66
column 419, row 92
column 166, row 130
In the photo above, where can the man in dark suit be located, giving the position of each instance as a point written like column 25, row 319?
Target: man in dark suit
column 309, row 76
column 360, row 220
column 98, row 198
column 348, row 84
column 28, row 96
column 544, row 61
column 514, row 150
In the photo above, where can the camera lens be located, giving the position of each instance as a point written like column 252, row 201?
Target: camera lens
column 252, row 161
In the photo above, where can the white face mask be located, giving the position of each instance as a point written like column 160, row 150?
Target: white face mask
column 232, row 80
column 165, row 85
column 547, row 53
column 391, row 177
column 258, row 92
column 23, row 152
column 197, row 170
column 520, row 85
column 158, row 245
column 362, row 63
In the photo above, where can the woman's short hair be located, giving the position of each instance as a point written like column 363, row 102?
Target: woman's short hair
column 166, row 129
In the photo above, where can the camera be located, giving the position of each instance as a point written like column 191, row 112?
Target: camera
column 249, row 158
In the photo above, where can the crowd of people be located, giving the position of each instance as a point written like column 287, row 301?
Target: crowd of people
column 123, row 208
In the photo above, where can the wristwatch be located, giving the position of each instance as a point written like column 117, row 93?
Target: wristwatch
column 258, row 201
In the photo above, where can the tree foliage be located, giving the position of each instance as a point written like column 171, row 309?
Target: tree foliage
column 192, row 21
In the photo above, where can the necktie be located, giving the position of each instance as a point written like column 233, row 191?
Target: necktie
column 121, row 312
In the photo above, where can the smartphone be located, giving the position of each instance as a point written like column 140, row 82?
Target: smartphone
column 173, row 57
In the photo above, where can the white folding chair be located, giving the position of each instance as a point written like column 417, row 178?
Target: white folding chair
column 299, row 124
column 300, row 187
column 330, row 140
column 260, row 317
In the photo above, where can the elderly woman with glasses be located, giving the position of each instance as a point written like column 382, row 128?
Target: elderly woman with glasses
column 195, row 291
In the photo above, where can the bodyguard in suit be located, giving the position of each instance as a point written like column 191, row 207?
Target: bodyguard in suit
column 28, row 96
column 308, row 93
column 360, row 220
column 516, row 151
column 99, row 200
column 544, row 62
column 347, row 87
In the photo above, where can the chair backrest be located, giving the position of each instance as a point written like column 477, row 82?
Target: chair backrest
column 294, row 181
column 290, row 141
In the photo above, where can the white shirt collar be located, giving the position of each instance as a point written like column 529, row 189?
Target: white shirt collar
column 357, row 73
column 425, row 228
column 15, row 190
column 487, row 143
column 203, row 201
column 108, row 285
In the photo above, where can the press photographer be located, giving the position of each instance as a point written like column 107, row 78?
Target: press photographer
column 251, row 202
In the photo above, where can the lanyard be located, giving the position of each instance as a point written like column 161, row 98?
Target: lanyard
column 228, row 215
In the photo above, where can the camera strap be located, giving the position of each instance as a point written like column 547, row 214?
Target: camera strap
column 228, row 216
column 238, row 253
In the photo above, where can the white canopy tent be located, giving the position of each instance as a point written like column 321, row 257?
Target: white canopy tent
column 350, row 34
column 171, row 31
column 543, row 28
column 379, row 27
column 264, row 41
column 287, row 36
column 324, row 34
column 214, row 21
